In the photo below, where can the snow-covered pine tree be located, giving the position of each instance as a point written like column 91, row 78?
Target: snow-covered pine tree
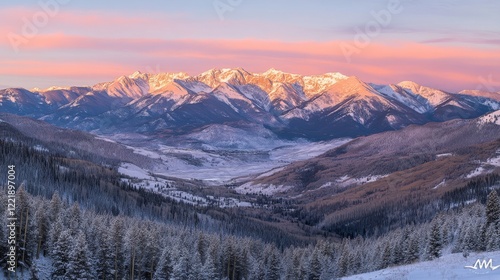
column 42, row 229
column 212, row 260
column 493, row 209
column 195, row 266
column 102, row 257
column 73, row 216
column 435, row 242
column 315, row 266
column 115, row 242
column 273, row 265
column 181, row 265
column 386, row 259
column 493, row 238
column 209, row 270
column 60, row 254
column 79, row 267
column 343, row 260
column 413, row 249
column 54, row 207
column 164, row 267
column 133, row 243
column 25, row 228
column 152, row 250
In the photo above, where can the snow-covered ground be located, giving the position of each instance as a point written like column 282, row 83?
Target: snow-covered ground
column 493, row 117
column 261, row 189
column 485, row 167
column 451, row 266
column 135, row 171
column 345, row 180
column 221, row 166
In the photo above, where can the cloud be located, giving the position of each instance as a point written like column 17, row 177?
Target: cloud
column 449, row 67
column 479, row 41
column 99, row 46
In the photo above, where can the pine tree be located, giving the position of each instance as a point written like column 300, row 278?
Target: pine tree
column 164, row 267
column 41, row 224
column 61, row 255
column 25, row 228
column 56, row 228
column 209, row 269
column 181, row 265
column 386, row 256
column 195, row 266
column 116, row 242
column 211, row 261
column 152, row 250
column 55, row 207
column 343, row 261
column 295, row 271
column 273, row 267
column 74, row 218
column 315, row 266
column 133, row 246
column 492, row 209
column 79, row 266
column 492, row 235
column 413, row 251
column 102, row 257
column 435, row 242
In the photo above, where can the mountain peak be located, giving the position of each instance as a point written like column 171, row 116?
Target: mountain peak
column 215, row 76
column 482, row 93
column 352, row 86
column 410, row 85
column 273, row 71
column 136, row 74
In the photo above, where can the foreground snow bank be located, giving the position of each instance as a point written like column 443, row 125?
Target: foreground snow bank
column 447, row 267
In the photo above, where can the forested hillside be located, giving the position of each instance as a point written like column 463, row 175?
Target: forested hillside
column 62, row 241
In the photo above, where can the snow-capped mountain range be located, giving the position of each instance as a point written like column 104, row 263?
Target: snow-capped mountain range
column 290, row 105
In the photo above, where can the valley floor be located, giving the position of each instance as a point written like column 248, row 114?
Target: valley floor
column 447, row 267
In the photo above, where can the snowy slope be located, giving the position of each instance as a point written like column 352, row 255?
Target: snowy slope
column 447, row 267
column 433, row 96
column 493, row 118
column 316, row 107
column 408, row 98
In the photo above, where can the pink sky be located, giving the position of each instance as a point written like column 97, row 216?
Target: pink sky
column 83, row 48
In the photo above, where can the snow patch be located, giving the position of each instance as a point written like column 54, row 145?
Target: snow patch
column 40, row 148
column 493, row 118
column 326, row 185
column 104, row 139
column 444, row 155
column 442, row 183
column 346, row 181
column 447, row 267
column 272, row 189
column 476, row 172
column 494, row 160
column 134, row 171
column 485, row 167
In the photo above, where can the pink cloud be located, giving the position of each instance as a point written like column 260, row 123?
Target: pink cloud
column 14, row 18
column 447, row 66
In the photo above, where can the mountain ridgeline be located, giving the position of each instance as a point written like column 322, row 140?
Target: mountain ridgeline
column 288, row 105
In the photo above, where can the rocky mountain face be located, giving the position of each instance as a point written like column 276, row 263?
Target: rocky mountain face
column 290, row 105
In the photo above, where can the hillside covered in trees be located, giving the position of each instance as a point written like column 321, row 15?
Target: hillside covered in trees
column 63, row 241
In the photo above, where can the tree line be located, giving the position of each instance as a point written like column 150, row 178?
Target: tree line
column 57, row 240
